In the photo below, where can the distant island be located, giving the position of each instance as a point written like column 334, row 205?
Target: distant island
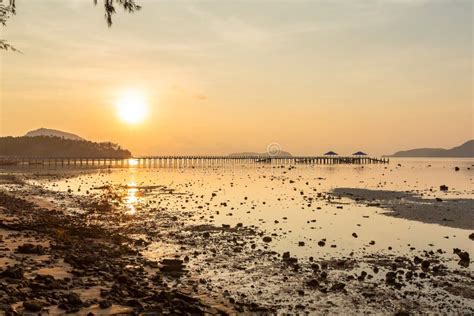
column 254, row 154
column 465, row 150
column 58, row 144
column 52, row 133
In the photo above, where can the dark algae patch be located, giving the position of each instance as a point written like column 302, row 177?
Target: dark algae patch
column 451, row 212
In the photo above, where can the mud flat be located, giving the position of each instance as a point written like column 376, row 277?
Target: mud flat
column 91, row 253
column 452, row 212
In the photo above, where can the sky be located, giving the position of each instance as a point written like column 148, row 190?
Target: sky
column 230, row 76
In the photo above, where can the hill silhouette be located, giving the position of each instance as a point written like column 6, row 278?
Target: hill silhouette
column 254, row 154
column 464, row 150
column 54, row 147
column 53, row 133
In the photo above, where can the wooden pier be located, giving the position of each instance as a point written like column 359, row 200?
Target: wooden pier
column 164, row 161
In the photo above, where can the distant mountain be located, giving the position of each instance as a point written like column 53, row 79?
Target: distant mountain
column 465, row 150
column 52, row 133
column 253, row 154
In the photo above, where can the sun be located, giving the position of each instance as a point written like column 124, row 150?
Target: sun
column 132, row 107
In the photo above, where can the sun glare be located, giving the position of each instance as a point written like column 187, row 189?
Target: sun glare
column 133, row 162
column 132, row 107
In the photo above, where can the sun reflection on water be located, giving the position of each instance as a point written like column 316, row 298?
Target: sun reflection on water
column 131, row 200
column 133, row 162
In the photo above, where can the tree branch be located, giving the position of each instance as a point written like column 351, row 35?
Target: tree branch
column 8, row 10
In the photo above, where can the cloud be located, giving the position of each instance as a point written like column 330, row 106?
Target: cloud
column 201, row 97
column 231, row 29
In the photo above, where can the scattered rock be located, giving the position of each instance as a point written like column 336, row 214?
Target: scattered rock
column 463, row 255
column 313, row 283
column 339, row 286
column 33, row 305
column 74, row 299
column 417, row 260
column 134, row 303
column 390, row 277
column 15, row 272
column 425, row 264
column 30, row 249
column 105, row 304
column 173, row 267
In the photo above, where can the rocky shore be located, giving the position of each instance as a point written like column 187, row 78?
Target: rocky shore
column 62, row 253
column 54, row 262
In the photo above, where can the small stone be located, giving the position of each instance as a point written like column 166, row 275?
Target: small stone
column 104, row 304
column 362, row 276
column 390, row 277
column 14, row 272
column 267, row 239
column 425, row 264
column 33, row 305
column 74, row 299
column 172, row 267
column 338, row 287
column 134, row 303
column 30, row 249
column 463, row 255
column 354, row 235
column 312, row 283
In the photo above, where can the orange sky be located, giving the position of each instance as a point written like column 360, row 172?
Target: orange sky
column 221, row 77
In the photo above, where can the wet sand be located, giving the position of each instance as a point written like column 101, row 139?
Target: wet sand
column 458, row 213
column 160, row 248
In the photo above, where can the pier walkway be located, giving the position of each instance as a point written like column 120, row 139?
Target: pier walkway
column 191, row 160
